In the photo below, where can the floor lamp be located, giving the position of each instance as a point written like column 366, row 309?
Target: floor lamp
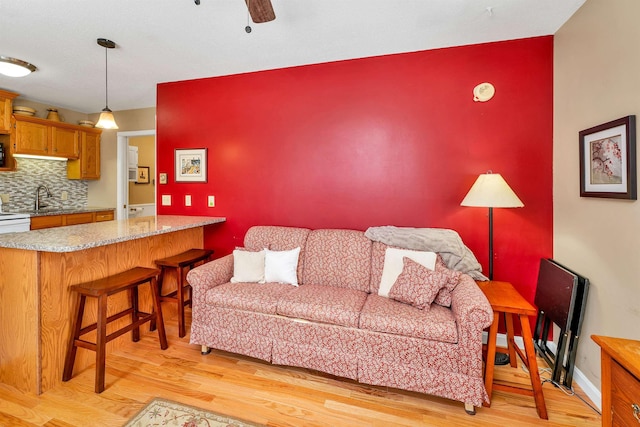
column 491, row 191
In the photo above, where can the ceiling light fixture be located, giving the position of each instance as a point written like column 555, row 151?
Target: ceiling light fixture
column 13, row 67
column 106, row 121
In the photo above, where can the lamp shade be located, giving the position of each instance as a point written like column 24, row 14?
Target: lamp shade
column 106, row 121
column 491, row 191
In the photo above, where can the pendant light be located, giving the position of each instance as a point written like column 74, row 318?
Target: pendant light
column 106, row 120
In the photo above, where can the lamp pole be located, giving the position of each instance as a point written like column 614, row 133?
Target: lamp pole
column 490, row 243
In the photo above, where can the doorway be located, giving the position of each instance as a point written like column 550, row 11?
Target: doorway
column 136, row 195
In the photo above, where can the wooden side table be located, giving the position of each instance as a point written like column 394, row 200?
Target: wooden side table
column 506, row 300
column 620, row 365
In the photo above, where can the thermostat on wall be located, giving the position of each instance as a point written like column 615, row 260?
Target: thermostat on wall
column 483, row 92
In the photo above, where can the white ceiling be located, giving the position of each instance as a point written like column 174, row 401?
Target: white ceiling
column 171, row 40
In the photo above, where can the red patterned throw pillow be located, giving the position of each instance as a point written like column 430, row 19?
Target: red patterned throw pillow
column 453, row 277
column 417, row 285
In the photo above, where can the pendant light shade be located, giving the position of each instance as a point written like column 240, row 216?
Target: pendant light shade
column 13, row 67
column 106, row 121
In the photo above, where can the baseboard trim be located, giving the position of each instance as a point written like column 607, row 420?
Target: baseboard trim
column 587, row 386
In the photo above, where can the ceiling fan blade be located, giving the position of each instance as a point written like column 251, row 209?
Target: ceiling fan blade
column 261, row 10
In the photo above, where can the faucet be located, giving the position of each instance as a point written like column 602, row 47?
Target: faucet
column 37, row 204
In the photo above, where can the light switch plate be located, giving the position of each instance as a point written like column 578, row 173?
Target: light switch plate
column 211, row 201
column 166, row 200
column 187, row 200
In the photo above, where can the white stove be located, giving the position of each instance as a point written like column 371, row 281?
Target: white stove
column 14, row 222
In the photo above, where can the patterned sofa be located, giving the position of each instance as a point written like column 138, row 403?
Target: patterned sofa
column 336, row 322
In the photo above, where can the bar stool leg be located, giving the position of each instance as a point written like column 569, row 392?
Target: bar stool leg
column 158, row 312
column 76, row 325
column 133, row 295
column 180, row 294
column 101, row 338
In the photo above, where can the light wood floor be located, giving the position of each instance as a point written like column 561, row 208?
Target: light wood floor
column 265, row 394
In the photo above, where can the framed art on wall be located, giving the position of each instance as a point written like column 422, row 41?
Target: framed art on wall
column 608, row 160
column 143, row 175
column 191, row 165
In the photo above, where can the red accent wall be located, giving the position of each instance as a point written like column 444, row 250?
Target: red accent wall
column 390, row 140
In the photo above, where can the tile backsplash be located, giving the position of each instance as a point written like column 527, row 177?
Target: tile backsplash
column 21, row 185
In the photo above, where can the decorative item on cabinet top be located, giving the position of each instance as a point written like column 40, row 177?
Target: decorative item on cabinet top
column 23, row 111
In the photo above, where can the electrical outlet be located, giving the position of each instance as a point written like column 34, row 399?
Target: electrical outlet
column 64, row 195
column 187, row 200
column 211, row 201
column 5, row 198
column 166, row 200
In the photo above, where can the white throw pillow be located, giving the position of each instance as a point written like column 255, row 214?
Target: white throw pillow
column 248, row 266
column 393, row 266
column 281, row 266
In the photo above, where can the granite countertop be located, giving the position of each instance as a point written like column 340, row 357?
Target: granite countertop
column 59, row 211
column 84, row 236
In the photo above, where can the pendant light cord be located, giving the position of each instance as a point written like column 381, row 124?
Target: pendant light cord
column 106, row 77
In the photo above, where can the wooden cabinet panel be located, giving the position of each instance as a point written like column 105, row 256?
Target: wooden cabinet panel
column 87, row 166
column 39, row 222
column 6, row 110
column 31, row 138
column 79, row 218
column 64, row 142
column 104, row 216
column 625, row 393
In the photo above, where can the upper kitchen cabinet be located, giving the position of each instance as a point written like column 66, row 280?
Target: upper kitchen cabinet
column 46, row 138
column 6, row 110
column 87, row 166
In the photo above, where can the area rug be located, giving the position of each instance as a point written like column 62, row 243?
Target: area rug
column 161, row 412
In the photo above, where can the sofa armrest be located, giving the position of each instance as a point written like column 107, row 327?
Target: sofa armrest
column 470, row 306
column 211, row 274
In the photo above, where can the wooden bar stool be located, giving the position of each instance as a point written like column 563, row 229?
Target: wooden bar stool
column 179, row 265
column 102, row 288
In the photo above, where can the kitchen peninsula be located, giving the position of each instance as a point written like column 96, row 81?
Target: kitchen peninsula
column 37, row 267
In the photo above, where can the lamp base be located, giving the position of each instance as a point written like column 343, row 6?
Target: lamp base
column 501, row 359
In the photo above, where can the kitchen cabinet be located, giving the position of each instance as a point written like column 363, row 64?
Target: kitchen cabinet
column 6, row 110
column 6, row 127
column 42, row 137
column 50, row 221
column 87, row 166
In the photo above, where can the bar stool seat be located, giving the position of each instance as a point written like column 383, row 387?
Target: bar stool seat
column 101, row 289
column 179, row 265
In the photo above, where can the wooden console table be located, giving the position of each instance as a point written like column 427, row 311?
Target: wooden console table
column 506, row 300
column 620, row 360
